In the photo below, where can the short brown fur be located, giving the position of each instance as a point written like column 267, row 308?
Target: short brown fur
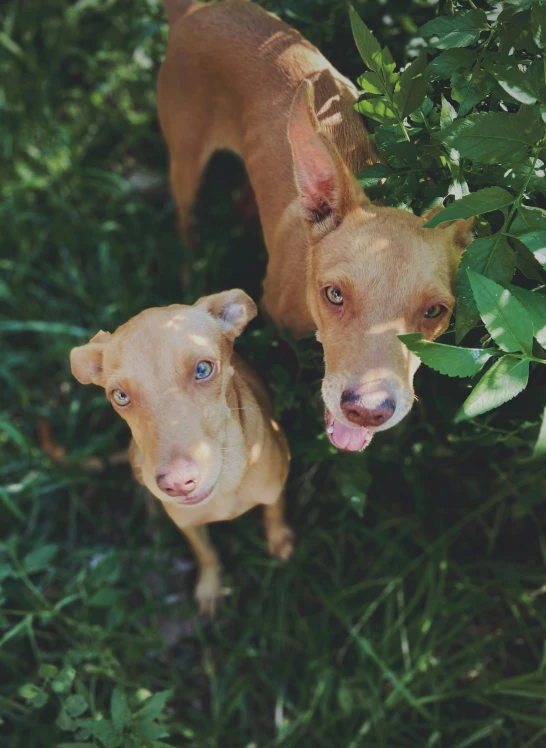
column 238, row 78
column 221, row 428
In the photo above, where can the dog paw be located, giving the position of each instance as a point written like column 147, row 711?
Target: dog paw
column 208, row 593
column 280, row 541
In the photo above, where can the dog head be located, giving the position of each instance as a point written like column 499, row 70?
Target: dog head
column 167, row 373
column 373, row 273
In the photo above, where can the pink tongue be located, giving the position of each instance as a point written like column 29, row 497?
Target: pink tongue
column 345, row 437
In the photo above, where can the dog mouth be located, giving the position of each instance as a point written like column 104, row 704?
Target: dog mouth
column 197, row 499
column 348, row 438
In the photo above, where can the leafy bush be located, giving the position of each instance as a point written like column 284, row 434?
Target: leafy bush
column 461, row 125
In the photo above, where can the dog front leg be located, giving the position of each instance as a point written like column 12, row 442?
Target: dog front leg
column 280, row 538
column 208, row 590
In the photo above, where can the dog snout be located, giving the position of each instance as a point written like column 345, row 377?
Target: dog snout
column 180, row 479
column 370, row 411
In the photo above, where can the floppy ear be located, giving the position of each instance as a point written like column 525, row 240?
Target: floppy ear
column 232, row 309
column 86, row 360
column 327, row 188
column 461, row 230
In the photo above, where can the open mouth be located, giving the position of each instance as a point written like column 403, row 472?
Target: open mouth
column 350, row 438
column 198, row 499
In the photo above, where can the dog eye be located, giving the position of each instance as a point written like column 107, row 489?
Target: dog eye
column 334, row 295
column 433, row 312
column 204, row 369
column 120, row 398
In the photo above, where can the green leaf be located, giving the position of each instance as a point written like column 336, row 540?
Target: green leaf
column 519, row 85
column 370, row 83
column 366, row 43
column 447, row 359
column 459, row 30
column 528, row 219
column 395, row 149
column 468, row 88
column 447, row 62
column 538, row 24
column 447, row 114
column 540, row 444
column 492, row 137
column 535, row 306
column 106, row 597
column 149, row 730
column 535, row 241
column 504, row 317
column 104, row 731
column 153, row 706
column 371, row 175
column 502, row 382
column 39, row 558
column 64, row 679
column 412, row 87
column 491, row 256
column 378, row 109
column 121, row 716
column 75, row 705
column 475, row 204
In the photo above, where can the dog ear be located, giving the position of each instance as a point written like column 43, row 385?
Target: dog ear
column 233, row 310
column 86, row 360
column 461, row 230
column 327, row 189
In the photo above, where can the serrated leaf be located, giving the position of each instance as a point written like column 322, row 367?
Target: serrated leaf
column 121, row 715
column 504, row 317
column 366, row 43
column 528, row 219
column 459, row 30
column 535, row 306
column 371, row 175
column 447, row 62
column 447, row 359
column 540, row 444
column 519, row 85
column 153, row 706
column 491, row 256
column 378, row 109
column 475, row 204
column 39, row 558
column 412, row 87
column 502, row 382
column 535, row 241
column 468, row 88
column 492, row 137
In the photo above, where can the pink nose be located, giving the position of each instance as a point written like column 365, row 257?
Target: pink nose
column 356, row 412
column 180, row 479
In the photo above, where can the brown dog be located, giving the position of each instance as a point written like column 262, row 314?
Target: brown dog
column 237, row 78
column 204, row 440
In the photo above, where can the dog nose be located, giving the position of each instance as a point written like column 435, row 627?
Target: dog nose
column 356, row 412
column 180, row 479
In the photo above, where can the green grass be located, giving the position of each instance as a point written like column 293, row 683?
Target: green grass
column 413, row 612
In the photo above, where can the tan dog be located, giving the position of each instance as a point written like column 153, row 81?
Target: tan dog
column 204, row 440
column 238, row 78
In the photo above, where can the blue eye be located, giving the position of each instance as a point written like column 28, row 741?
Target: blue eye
column 203, row 370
